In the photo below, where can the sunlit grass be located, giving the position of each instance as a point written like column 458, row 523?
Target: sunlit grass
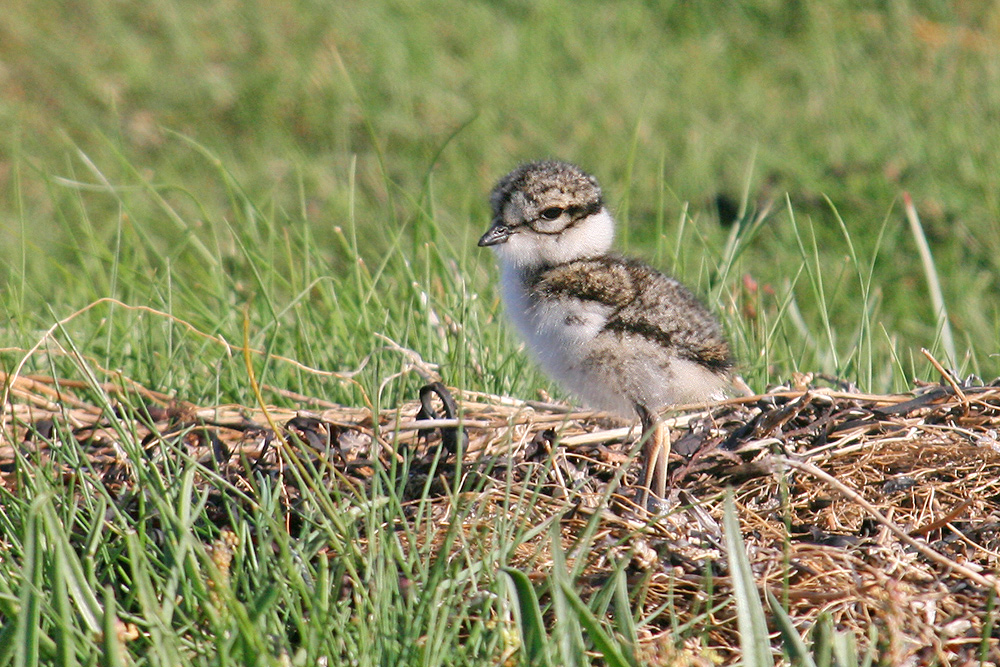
column 313, row 178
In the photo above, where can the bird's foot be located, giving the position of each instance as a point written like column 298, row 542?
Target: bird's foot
column 653, row 504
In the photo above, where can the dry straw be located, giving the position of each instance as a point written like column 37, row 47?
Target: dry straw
column 877, row 510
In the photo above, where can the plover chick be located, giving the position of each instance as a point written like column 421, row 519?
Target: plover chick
column 620, row 335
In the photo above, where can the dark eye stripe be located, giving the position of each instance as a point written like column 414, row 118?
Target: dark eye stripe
column 575, row 213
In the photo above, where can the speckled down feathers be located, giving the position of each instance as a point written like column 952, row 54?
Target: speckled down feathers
column 617, row 333
column 645, row 302
column 547, row 183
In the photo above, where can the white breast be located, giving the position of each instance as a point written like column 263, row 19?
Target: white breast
column 606, row 370
column 560, row 333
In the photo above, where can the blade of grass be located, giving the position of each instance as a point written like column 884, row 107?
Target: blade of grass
column 796, row 649
column 845, row 648
column 933, row 281
column 69, row 563
column 29, row 620
column 755, row 643
column 529, row 613
column 63, row 621
column 114, row 650
column 606, row 645
column 989, row 623
column 623, row 612
column 567, row 635
column 812, row 260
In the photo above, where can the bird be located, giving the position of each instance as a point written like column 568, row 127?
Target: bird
column 612, row 330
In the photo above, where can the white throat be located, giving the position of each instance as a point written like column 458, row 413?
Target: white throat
column 526, row 250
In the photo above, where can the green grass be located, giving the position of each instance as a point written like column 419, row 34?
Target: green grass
column 314, row 176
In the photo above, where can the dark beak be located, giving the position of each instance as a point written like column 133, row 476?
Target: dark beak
column 498, row 233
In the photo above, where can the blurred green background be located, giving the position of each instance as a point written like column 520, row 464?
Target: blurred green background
column 196, row 157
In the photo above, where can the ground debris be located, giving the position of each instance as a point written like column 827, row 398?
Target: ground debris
column 927, row 461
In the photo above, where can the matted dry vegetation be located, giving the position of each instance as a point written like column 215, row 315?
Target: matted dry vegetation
column 879, row 511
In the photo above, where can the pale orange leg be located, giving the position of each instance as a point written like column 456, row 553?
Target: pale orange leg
column 655, row 455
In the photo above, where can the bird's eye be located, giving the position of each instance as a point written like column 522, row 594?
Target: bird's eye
column 551, row 213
